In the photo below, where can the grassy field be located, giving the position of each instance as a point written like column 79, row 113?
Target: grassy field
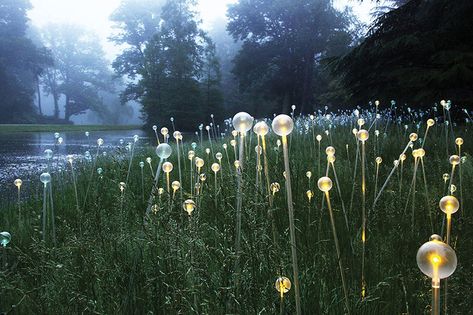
column 63, row 128
column 113, row 258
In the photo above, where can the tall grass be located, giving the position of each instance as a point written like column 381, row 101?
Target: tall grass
column 127, row 262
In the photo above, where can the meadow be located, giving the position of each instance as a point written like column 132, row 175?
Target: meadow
column 114, row 249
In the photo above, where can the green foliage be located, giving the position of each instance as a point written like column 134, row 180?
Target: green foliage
column 419, row 52
column 171, row 63
column 21, row 63
column 283, row 44
column 80, row 70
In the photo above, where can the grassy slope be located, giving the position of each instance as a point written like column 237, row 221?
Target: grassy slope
column 63, row 128
column 109, row 261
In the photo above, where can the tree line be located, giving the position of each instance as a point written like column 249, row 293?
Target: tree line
column 266, row 56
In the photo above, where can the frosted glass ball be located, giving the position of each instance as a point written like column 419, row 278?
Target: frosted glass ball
column 459, row 141
column 164, row 131
column 379, row 160
column 430, row 122
column 45, row 178
column 330, row 150
column 282, row 125
column 99, row 171
column 99, row 141
column 413, row 137
column 275, row 187
column 362, row 135
column 436, row 254
column 155, row 127
column 449, row 204
column 163, row 151
column 189, row 206
column 215, row 167
column 56, row 135
column 60, row 140
column 191, row 154
column 242, row 122
column 177, row 135
column 354, row 131
column 48, row 153
column 148, row 160
column 308, row 174
column 18, row 182
column 218, row 156
column 403, row 157
column 319, row 138
column 454, row 159
column 142, row 164
column 167, row 167
column 175, row 185
column 199, row 162
column 136, row 138
column 283, row 285
column 87, row 134
column 324, row 184
column 5, row 238
column 331, row 158
column 261, row 128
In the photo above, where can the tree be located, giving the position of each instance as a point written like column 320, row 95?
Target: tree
column 283, row 42
column 419, row 53
column 21, row 63
column 80, row 71
column 173, row 73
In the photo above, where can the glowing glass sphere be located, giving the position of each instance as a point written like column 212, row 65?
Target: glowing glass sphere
column 324, row 184
column 142, row 164
column 436, row 259
column 122, row 186
column 164, row 131
column 376, row 133
column 215, row 167
column 177, row 135
column 190, row 155
column 193, row 145
column 379, row 160
column 430, row 122
column 148, row 160
column 60, row 140
column 207, row 150
column 121, row 141
column 459, row 141
column 282, row 125
column 167, row 167
column 454, row 159
column 234, row 133
column 330, row 151
column 421, row 152
column 453, row 188
column 70, row 158
column 99, row 171
column 87, row 134
column 18, row 182
column 155, row 127
column 413, row 137
column 278, row 143
column 258, row 149
column 99, row 142
column 283, row 285
column 45, row 178
column 202, row 177
column 233, row 142
column 199, row 162
column 189, row 206
column 160, row 191
column 362, row 135
column 275, row 187
column 218, row 156
column 354, row 131
column 403, row 157
column 242, row 122
column 236, row 164
column 163, row 151
column 308, row 174
column 331, row 158
column 224, row 146
column 449, row 204
column 5, row 238
column 175, row 185
column 56, row 135
column 207, row 128
column 360, row 122
column 136, row 138
column 48, row 154
column 318, row 138
column 261, row 128
column 309, row 194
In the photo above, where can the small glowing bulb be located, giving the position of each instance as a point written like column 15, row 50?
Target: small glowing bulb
column 189, row 206
column 215, row 167
column 362, row 135
column 430, row 122
column 207, row 150
column 48, row 153
column 60, row 140
column 403, row 157
column 122, row 186
column 164, row 131
column 199, row 162
column 234, row 133
column 330, row 151
column 331, row 158
column 167, row 167
column 324, row 184
column 236, row 164
column 282, row 125
column 18, row 183
column 202, row 177
column 354, row 131
column 190, row 155
column 99, row 142
column 5, row 238
column 155, row 127
column 148, row 160
column 449, row 204
column 163, row 151
column 282, row 285
column 379, row 160
column 175, row 185
column 453, row 188
column 308, row 174
column 458, row 141
column 413, row 137
column 45, row 178
column 242, row 122
column 360, row 122
column 160, row 191
column 261, row 128
column 319, row 138
column 218, row 156
column 454, row 159
column 275, row 187
column 310, row 194
column 278, row 143
column 233, row 142
column 136, row 138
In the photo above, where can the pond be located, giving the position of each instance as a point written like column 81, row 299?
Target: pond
column 22, row 153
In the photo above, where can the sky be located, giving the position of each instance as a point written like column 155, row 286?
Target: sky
column 94, row 14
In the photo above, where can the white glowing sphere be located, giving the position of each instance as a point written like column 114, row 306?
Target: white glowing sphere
column 163, row 150
column 261, row 128
column 282, row 125
column 45, row 178
column 242, row 122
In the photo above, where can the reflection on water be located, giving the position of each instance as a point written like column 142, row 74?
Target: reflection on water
column 22, row 153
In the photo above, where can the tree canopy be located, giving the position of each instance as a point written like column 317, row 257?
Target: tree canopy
column 418, row 53
column 21, row 63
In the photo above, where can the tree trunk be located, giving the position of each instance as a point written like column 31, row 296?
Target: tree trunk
column 67, row 111
column 56, row 105
column 38, row 92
